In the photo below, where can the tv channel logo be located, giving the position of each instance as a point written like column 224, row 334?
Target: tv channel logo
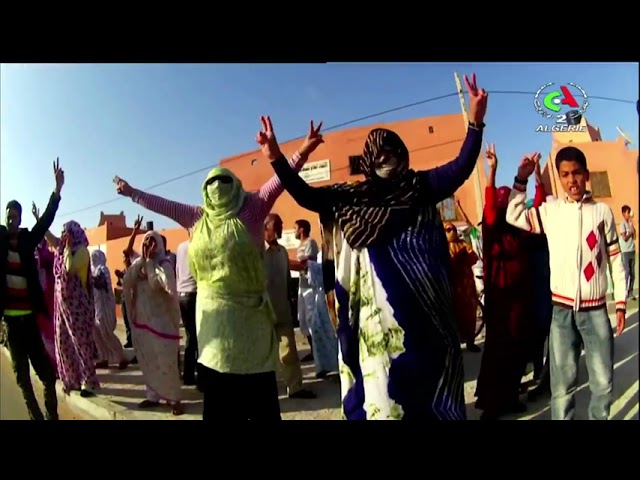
column 560, row 107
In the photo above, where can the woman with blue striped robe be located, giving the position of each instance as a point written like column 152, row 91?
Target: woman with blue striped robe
column 386, row 268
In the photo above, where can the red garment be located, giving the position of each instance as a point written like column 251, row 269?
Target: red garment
column 508, row 311
column 464, row 291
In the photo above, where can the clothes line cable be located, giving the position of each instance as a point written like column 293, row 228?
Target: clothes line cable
column 334, row 127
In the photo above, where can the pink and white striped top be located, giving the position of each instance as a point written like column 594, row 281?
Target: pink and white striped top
column 256, row 207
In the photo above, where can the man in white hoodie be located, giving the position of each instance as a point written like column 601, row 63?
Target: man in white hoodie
column 583, row 244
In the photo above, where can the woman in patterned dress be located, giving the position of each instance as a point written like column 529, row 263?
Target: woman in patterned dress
column 74, row 310
column 108, row 346
column 149, row 289
column 399, row 350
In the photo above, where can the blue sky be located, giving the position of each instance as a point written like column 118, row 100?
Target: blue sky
column 151, row 122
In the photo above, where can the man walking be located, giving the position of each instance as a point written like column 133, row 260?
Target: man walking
column 276, row 262
column 22, row 298
column 628, row 249
column 308, row 250
column 187, row 291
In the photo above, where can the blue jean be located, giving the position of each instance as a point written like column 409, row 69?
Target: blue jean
column 569, row 331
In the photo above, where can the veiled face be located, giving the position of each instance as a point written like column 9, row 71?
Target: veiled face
column 385, row 156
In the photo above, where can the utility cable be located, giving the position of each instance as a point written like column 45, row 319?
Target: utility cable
column 333, row 127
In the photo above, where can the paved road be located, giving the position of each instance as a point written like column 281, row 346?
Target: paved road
column 12, row 405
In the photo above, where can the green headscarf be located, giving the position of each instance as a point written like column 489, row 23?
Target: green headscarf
column 222, row 203
column 234, row 318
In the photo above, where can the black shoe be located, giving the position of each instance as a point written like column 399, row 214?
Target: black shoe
column 307, row 358
column 86, row 393
column 134, row 361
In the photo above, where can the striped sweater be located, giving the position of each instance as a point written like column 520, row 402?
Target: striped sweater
column 583, row 244
column 253, row 212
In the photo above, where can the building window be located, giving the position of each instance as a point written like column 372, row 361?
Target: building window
column 448, row 210
column 600, row 187
column 254, row 162
column 355, row 165
column 430, row 129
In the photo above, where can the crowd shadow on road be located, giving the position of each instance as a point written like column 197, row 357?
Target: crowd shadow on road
column 625, row 382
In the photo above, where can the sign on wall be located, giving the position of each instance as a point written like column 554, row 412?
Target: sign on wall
column 319, row 171
column 289, row 240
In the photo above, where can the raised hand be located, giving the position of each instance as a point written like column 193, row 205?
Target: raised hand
column 266, row 138
column 138, row 223
column 492, row 158
column 35, row 211
column 58, row 173
column 122, row 187
column 477, row 100
column 527, row 166
column 149, row 250
column 538, row 172
column 313, row 140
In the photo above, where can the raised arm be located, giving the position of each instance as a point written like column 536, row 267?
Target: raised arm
column 128, row 251
column 442, row 182
column 529, row 219
column 184, row 215
column 490, row 209
column 44, row 222
column 540, row 196
column 314, row 199
column 615, row 260
column 541, row 192
column 50, row 237
column 263, row 200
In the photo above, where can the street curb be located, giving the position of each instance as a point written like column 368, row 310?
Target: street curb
column 100, row 408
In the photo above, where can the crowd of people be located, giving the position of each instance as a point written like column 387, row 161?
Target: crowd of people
column 387, row 299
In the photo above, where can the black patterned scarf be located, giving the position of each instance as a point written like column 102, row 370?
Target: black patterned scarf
column 372, row 211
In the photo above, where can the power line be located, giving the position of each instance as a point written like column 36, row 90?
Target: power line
column 333, row 127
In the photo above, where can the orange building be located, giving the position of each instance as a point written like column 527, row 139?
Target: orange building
column 613, row 168
column 432, row 141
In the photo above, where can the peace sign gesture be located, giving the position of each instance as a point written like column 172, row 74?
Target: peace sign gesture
column 35, row 211
column 477, row 100
column 312, row 141
column 492, row 158
column 58, row 173
column 266, row 138
column 138, row 223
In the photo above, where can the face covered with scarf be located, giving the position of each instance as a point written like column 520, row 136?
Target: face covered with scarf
column 74, row 236
column 217, row 231
column 223, row 194
column 385, row 156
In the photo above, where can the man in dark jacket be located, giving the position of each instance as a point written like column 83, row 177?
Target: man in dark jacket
column 21, row 298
